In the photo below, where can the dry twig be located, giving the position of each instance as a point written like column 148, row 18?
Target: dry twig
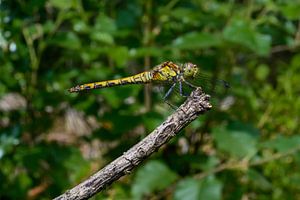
column 196, row 104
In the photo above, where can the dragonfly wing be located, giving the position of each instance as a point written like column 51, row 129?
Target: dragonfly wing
column 210, row 85
column 174, row 93
column 218, row 89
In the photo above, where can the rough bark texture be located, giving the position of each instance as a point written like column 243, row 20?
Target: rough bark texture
column 196, row 104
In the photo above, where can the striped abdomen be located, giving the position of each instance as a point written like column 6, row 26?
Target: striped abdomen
column 144, row 77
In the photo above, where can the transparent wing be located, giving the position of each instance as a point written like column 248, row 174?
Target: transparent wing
column 171, row 93
column 175, row 93
column 218, row 89
column 211, row 85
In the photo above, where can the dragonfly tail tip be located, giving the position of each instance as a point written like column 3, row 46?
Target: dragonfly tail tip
column 74, row 89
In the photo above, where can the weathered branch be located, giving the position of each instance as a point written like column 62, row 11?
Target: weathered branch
column 196, row 104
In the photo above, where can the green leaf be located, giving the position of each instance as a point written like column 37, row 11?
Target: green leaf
column 243, row 33
column 211, row 163
column 9, row 140
column 262, row 71
column 295, row 63
column 237, row 141
column 76, row 165
column 195, row 40
column 127, row 18
column 145, row 51
column 80, row 26
column 67, row 40
column 151, row 120
column 291, row 10
column 210, row 188
column 64, row 4
column 258, row 180
column 191, row 189
column 105, row 24
column 112, row 97
column 186, row 15
column 155, row 175
column 48, row 26
column 188, row 189
column 119, row 54
column 283, row 143
column 103, row 37
column 262, row 44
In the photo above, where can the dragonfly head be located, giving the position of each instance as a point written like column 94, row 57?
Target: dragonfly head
column 190, row 70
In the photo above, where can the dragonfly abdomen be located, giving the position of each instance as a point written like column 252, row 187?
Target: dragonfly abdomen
column 144, row 77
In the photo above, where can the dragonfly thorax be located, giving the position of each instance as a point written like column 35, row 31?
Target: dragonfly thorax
column 189, row 70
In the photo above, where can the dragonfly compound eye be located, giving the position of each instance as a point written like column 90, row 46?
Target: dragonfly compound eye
column 190, row 70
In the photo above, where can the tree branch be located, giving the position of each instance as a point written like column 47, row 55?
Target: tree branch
column 196, row 104
column 245, row 164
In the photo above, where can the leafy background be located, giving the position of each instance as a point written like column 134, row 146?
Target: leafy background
column 51, row 140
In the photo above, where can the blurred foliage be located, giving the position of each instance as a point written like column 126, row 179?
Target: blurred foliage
column 51, row 140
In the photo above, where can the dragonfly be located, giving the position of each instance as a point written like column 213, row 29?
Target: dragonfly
column 176, row 76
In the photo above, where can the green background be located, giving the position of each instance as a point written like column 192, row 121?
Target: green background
column 51, row 140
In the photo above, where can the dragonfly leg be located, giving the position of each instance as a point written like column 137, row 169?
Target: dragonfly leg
column 167, row 95
column 171, row 105
column 181, row 91
column 190, row 85
column 169, row 91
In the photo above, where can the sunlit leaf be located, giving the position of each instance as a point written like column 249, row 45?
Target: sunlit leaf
column 262, row 72
column 104, row 37
column 291, row 10
column 64, row 4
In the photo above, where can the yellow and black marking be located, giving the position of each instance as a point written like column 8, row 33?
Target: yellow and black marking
column 144, row 77
column 167, row 71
